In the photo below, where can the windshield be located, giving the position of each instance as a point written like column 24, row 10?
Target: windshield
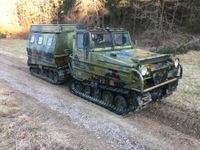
column 102, row 40
column 109, row 39
column 121, row 39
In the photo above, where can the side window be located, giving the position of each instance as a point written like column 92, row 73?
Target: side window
column 49, row 40
column 40, row 40
column 79, row 40
column 32, row 39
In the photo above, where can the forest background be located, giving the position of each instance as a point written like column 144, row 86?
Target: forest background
column 150, row 22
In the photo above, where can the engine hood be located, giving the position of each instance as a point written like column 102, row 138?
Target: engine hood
column 131, row 58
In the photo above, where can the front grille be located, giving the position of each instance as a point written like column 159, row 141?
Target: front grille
column 160, row 76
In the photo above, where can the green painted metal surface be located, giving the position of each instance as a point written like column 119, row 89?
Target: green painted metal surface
column 50, row 45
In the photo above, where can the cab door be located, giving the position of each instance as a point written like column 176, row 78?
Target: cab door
column 79, row 53
column 82, row 46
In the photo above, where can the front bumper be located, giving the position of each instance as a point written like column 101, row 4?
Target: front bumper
column 168, row 82
column 174, row 80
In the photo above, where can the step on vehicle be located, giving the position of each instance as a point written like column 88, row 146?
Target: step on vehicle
column 103, row 65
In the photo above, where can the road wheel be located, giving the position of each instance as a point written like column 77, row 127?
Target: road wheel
column 107, row 97
column 55, row 77
column 46, row 73
column 87, row 90
column 51, row 75
column 78, row 86
column 121, row 102
column 97, row 93
column 38, row 71
column 32, row 70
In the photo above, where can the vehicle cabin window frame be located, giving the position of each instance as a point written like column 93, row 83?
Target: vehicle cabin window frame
column 50, row 40
column 80, row 42
column 101, row 39
column 121, row 37
column 32, row 39
column 40, row 40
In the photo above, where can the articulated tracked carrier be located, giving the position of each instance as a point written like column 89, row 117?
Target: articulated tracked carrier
column 103, row 65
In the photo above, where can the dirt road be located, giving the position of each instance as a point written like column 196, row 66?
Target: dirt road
column 36, row 114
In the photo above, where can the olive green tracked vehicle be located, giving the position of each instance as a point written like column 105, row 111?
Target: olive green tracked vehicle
column 107, row 69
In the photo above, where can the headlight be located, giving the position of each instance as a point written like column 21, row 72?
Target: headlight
column 176, row 62
column 143, row 69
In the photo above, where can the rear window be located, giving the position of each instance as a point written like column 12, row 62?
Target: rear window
column 50, row 41
column 40, row 40
column 32, row 39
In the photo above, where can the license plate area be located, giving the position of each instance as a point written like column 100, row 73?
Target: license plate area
column 160, row 76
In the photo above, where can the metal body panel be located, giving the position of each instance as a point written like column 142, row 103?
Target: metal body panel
column 59, row 28
column 50, row 45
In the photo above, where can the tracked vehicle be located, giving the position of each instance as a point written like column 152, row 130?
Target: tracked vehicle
column 106, row 69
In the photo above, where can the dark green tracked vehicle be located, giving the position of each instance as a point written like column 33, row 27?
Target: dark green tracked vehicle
column 105, row 67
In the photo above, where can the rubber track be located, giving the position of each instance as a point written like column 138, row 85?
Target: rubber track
column 47, row 79
column 100, row 102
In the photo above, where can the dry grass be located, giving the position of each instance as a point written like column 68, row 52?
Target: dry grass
column 18, row 130
column 178, row 44
column 10, row 31
column 7, row 111
column 9, row 102
column 20, row 35
column 8, row 107
column 14, row 47
column 188, row 93
column 7, row 30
